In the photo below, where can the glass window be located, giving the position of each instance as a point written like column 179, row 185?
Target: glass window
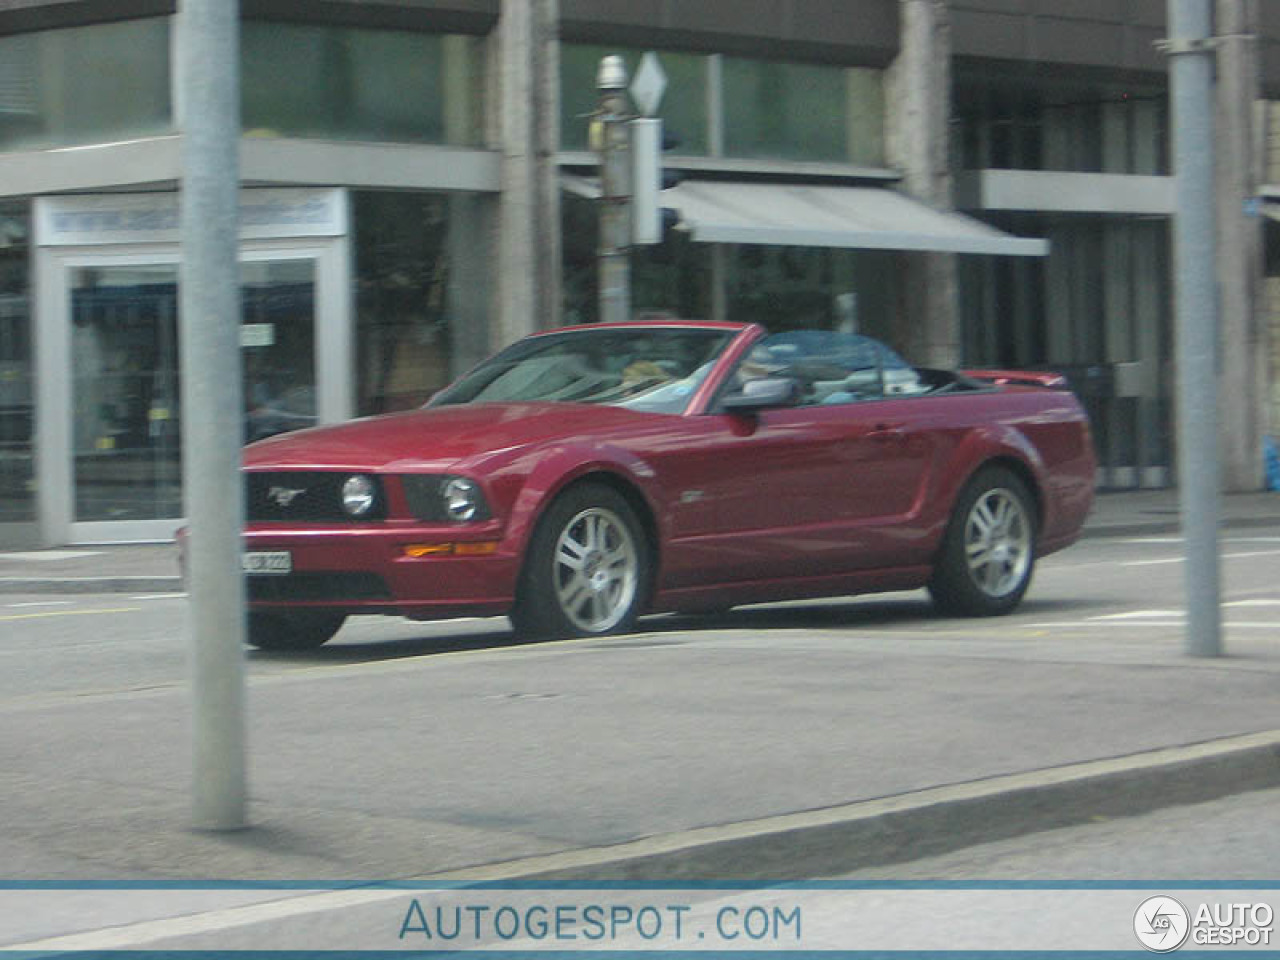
column 354, row 84
column 17, row 403
column 84, row 85
column 683, row 108
column 1077, row 129
column 124, row 358
column 126, row 429
column 402, row 299
column 277, row 340
column 655, row 370
column 673, row 277
column 792, row 111
column 799, row 288
column 831, row 366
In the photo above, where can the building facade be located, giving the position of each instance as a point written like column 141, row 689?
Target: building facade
column 417, row 191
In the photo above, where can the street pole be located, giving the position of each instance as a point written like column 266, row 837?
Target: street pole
column 611, row 141
column 1191, row 71
column 212, row 404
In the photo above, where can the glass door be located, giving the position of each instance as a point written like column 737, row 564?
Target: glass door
column 125, row 433
column 277, row 340
column 120, row 397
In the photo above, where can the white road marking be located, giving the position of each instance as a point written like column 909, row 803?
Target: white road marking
column 51, row 555
column 41, row 603
column 1178, row 622
column 1139, row 614
column 1225, row 556
column 1177, row 540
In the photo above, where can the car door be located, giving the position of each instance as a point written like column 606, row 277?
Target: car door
column 829, row 485
column 816, row 490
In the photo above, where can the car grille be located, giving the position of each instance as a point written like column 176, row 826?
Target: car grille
column 304, row 497
column 344, row 585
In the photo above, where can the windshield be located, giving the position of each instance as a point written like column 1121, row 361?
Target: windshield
column 655, row 370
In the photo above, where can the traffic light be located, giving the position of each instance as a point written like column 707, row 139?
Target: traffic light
column 649, row 179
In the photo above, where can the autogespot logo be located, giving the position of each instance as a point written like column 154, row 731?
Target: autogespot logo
column 1162, row 924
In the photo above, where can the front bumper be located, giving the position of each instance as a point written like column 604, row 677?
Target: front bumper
column 368, row 570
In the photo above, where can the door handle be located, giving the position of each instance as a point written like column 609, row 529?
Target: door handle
column 886, row 432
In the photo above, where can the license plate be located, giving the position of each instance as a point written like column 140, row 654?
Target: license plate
column 267, row 562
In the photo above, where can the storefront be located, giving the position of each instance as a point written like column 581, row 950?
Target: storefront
column 107, row 268
column 366, row 224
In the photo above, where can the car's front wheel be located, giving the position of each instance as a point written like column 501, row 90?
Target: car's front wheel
column 304, row 630
column 587, row 569
column 988, row 552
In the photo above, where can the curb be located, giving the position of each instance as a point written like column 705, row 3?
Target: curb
column 837, row 840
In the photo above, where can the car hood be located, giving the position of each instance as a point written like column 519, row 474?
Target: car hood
column 438, row 437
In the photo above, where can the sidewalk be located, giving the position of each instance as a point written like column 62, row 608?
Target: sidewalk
column 153, row 568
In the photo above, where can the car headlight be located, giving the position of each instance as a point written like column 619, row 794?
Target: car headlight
column 461, row 498
column 358, row 495
column 445, row 498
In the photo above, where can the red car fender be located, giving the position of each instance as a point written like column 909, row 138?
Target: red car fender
column 980, row 446
column 567, row 464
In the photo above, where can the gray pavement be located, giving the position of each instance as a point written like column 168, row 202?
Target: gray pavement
column 656, row 756
column 712, row 753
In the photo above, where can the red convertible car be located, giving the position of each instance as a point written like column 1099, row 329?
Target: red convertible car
column 588, row 475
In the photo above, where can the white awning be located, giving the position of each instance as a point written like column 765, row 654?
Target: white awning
column 806, row 215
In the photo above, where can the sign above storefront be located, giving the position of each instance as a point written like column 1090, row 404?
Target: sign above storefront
column 73, row 221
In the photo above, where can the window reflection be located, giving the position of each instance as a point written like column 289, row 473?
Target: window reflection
column 84, row 84
column 124, row 349
column 355, row 84
column 785, row 111
column 796, row 288
column 277, row 339
column 126, row 429
column 405, row 334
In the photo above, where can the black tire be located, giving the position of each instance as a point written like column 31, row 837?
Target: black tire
column 989, row 550
column 304, row 630
column 587, row 570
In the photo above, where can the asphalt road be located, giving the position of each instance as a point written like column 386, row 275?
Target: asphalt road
column 417, row 747
column 1101, row 593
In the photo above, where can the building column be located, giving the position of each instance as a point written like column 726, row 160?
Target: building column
column 1243, row 335
column 917, row 141
column 528, row 267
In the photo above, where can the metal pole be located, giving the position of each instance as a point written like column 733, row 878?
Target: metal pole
column 212, row 404
column 611, row 142
column 1191, row 82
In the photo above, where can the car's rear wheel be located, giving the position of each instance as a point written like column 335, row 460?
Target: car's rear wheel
column 988, row 552
column 304, row 630
column 587, row 569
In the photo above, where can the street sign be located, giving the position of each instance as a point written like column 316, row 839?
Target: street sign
column 649, row 85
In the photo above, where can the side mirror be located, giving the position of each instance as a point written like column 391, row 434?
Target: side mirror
column 762, row 394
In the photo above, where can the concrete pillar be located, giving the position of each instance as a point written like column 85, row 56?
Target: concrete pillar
column 472, row 217
column 528, row 267
column 1243, row 367
column 917, row 141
